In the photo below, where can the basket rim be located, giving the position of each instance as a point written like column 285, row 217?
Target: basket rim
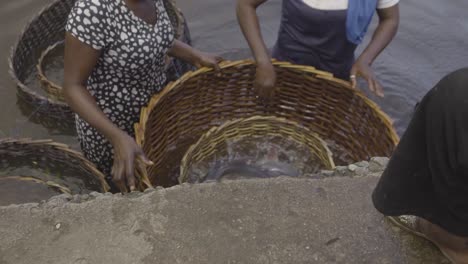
column 40, row 69
column 64, row 148
column 140, row 126
column 215, row 129
column 61, row 188
column 13, row 51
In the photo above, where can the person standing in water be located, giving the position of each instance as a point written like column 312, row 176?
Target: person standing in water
column 115, row 54
column 323, row 34
column 424, row 189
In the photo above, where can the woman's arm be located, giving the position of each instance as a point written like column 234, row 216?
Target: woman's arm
column 389, row 19
column 193, row 56
column 248, row 20
column 250, row 26
column 80, row 60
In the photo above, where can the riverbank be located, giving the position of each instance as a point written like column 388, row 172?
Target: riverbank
column 324, row 218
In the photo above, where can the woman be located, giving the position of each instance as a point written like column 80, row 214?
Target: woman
column 114, row 62
column 426, row 181
column 323, row 34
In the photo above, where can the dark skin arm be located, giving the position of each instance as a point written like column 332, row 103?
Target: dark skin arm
column 193, row 56
column 388, row 25
column 80, row 60
column 248, row 20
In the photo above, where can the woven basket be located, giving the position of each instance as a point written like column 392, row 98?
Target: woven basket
column 174, row 67
column 59, row 188
column 45, row 30
column 213, row 143
column 23, row 189
column 177, row 117
column 52, row 158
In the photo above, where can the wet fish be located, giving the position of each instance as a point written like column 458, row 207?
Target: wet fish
column 269, row 167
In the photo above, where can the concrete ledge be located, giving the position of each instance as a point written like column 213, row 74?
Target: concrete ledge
column 281, row 220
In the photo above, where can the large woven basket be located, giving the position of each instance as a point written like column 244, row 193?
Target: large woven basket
column 174, row 67
column 45, row 30
column 51, row 159
column 23, row 189
column 177, row 117
column 214, row 144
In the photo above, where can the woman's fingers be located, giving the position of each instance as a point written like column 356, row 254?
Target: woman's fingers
column 142, row 173
column 216, row 67
column 130, row 173
column 375, row 86
column 115, row 171
column 378, row 88
column 352, row 78
column 214, row 61
column 370, row 84
column 118, row 176
column 142, row 157
column 353, row 82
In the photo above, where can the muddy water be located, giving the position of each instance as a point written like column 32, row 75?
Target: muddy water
column 431, row 42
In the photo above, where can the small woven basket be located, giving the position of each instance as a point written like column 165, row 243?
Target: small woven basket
column 211, row 144
column 45, row 30
column 51, row 159
column 174, row 67
column 23, row 189
column 177, row 117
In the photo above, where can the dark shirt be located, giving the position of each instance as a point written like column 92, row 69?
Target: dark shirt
column 309, row 36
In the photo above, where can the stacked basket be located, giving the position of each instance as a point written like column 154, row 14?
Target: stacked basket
column 214, row 146
column 355, row 128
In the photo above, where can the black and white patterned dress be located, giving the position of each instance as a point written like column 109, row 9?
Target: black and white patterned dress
column 129, row 71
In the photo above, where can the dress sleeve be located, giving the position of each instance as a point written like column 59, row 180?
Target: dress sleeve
column 88, row 23
column 382, row 4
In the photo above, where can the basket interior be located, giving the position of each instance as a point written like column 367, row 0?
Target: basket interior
column 49, row 161
column 177, row 117
column 259, row 147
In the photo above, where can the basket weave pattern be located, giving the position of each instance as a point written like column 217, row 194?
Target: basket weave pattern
column 216, row 138
column 46, row 28
column 47, row 153
column 187, row 108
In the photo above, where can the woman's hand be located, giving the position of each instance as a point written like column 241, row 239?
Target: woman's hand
column 388, row 24
column 265, row 80
column 362, row 69
column 203, row 59
column 127, row 156
column 193, row 56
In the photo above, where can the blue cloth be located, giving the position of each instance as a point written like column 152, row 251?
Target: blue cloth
column 360, row 13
